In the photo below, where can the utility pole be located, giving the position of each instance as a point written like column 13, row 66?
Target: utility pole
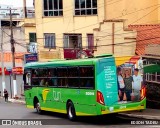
column 13, row 51
column 24, row 9
column 13, row 57
column 2, row 62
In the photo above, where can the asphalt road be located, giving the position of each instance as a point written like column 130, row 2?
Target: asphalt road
column 18, row 111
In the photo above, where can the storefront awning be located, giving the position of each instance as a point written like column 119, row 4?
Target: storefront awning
column 133, row 59
column 153, row 68
column 126, row 59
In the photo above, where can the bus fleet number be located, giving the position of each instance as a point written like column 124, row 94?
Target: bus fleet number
column 89, row 93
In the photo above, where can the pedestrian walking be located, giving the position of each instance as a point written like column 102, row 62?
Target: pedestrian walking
column 6, row 95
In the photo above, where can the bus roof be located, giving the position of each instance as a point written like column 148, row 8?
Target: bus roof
column 86, row 61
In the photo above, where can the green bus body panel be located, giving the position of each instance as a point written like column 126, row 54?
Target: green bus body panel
column 57, row 98
column 84, row 100
column 61, row 63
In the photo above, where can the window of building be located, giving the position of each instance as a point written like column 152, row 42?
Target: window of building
column 72, row 40
column 85, row 7
column 53, row 7
column 90, row 41
column 49, row 40
column 32, row 37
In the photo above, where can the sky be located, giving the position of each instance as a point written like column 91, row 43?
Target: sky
column 16, row 3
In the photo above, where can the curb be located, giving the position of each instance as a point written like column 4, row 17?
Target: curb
column 16, row 101
column 142, row 116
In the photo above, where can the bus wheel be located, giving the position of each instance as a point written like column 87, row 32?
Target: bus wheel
column 38, row 108
column 71, row 111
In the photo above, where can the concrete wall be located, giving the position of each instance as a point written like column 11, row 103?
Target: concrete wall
column 20, row 89
column 20, row 45
column 18, row 34
column 134, row 11
column 112, row 38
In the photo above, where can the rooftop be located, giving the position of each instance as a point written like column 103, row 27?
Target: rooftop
column 146, row 35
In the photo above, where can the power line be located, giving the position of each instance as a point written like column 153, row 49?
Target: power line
column 97, row 23
column 147, row 14
column 139, row 18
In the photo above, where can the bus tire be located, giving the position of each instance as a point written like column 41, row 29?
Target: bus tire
column 71, row 111
column 38, row 108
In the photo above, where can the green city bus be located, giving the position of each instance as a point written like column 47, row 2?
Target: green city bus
column 82, row 87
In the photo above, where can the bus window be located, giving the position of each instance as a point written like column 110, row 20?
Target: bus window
column 42, row 72
column 42, row 82
column 73, row 72
column 73, row 77
column 52, row 72
column 86, row 77
column 73, row 82
column 62, row 74
column 52, row 82
column 43, row 77
column 86, row 71
column 87, row 82
column 35, row 80
column 52, row 77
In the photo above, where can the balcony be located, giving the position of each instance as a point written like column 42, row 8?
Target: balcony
column 75, row 53
column 29, row 22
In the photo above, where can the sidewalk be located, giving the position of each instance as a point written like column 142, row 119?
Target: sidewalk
column 150, row 114
column 20, row 101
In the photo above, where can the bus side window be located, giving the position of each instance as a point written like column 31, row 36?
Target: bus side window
column 86, row 77
column 52, row 77
column 28, row 79
column 62, row 74
column 73, row 77
column 24, row 78
column 35, row 80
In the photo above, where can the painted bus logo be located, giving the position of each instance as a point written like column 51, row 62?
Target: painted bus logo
column 56, row 95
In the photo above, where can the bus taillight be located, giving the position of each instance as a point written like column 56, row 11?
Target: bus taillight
column 100, row 98
column 143, row 93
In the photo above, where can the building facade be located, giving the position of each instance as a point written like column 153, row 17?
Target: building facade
column 6, row 61
column 134, row 11
column 70, row 29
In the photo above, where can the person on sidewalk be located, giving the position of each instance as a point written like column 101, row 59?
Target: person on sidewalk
column 6, row 95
